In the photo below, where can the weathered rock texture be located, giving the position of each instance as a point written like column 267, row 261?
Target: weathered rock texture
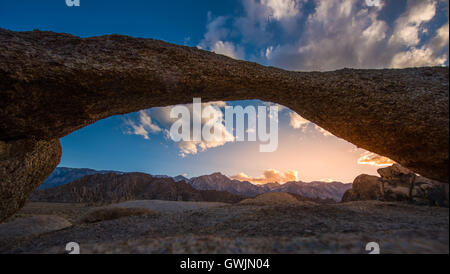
column 398, row 184
column 365, row 187
column 24, row 164
column 52, row 84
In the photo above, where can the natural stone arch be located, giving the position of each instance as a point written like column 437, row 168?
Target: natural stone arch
column 53, row 84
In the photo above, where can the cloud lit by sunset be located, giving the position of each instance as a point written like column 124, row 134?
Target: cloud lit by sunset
column 269, row 176
column 369, row 158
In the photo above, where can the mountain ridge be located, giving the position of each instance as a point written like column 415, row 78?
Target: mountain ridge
column 217, row 182
column 113, row 188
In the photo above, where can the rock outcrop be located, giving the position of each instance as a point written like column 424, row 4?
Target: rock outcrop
column 401, row 184
column 53, row 84
column 398, row 183
column 365, row 187
column 24, row 164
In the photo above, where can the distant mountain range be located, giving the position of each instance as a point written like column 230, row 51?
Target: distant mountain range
column 321, row 190
column 64, row 175
column 109, row 188
column 216, row 182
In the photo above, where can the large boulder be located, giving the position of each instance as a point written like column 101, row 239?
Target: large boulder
column 365, row 187
column 430, row 192
column 397, row 183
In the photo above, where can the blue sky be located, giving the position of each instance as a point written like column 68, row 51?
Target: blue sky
column 292, row 34
column 172, row 21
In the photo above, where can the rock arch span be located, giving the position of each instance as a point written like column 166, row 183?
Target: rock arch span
column 52, row 84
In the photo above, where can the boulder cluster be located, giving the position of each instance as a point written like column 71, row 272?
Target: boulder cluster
column 398, row 183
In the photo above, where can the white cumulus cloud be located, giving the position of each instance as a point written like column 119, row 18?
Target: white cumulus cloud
column 144, row 126
column 333, row 34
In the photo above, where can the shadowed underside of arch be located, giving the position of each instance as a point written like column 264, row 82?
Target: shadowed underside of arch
column 53, row 84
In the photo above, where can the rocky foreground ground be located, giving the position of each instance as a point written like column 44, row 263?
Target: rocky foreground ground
column 275, row 223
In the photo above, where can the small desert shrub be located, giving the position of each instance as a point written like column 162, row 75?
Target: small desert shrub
column 112, row 213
